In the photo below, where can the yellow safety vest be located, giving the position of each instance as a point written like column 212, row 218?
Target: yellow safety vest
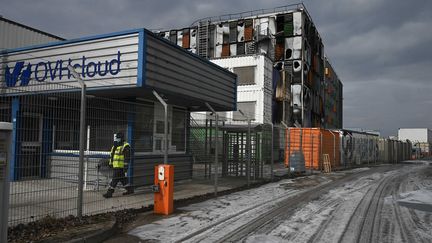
column 117, row 161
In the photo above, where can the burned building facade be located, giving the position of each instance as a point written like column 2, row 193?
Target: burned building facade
column 302, row 93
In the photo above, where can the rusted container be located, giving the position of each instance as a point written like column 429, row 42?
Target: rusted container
column 225, row 50
column 279, row 51
column 248, row 32
column 315, row 142
column 186, row 39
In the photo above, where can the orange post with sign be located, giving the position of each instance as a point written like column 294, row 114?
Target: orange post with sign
column 164, row 195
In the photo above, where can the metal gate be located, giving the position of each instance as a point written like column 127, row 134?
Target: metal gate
column 30, row 146
column 236, row 152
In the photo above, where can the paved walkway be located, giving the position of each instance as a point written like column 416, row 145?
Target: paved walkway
column 34, row 199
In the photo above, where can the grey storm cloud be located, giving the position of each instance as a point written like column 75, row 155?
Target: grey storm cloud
column 379, row 48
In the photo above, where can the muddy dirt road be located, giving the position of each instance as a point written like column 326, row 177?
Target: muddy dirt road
column 388, row 203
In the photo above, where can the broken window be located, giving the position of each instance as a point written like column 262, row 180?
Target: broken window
column 248, row 108
column 245, row 75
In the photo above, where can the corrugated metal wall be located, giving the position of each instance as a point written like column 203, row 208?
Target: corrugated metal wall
column 169, row 69
column 14, row 35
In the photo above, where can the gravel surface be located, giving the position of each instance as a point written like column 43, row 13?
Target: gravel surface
column 383, row 204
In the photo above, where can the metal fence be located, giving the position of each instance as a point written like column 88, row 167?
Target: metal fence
column 208, row 156
column 45, row 163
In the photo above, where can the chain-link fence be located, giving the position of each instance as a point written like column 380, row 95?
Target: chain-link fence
column 46, row 151
column 243, row 147
column 208, row 156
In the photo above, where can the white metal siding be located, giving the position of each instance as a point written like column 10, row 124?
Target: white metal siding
column 99, row 50
column 261, row 91
column 14, row 36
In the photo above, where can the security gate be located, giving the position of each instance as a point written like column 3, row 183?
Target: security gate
column 235, row 154
column 30, row 146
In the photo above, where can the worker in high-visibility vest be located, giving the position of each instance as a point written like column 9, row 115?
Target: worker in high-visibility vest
column 119, row 160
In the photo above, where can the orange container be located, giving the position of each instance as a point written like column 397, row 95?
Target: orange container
column 315, row 142
column 186, row 39
column 225, row 50
column 279, row 51
column 248, row 33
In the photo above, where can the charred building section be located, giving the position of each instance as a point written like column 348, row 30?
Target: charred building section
column 332, row 98
column 302, row 94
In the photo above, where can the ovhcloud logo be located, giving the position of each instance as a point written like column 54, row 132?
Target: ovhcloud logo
column 12, row 78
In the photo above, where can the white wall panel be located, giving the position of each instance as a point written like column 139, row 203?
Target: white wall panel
column 114, row 59
column 261, row 91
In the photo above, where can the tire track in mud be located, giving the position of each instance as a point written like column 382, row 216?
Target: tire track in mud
column 321, row 231
column 371, row 222
column 231, row 217
column 362, row 222
column 397, row 214
column 283, row 209
column 406, row 219
column 327, row 203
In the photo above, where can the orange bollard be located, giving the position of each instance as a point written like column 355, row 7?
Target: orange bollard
column 164, row 197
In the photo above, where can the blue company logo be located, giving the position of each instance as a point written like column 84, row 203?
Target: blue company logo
column 48, row 70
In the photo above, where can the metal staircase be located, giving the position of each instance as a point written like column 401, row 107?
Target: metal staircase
column 203, row 38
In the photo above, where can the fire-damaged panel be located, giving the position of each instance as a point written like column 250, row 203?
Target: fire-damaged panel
column 290, row 37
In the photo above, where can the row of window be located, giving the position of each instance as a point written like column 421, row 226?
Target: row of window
column 147, row 130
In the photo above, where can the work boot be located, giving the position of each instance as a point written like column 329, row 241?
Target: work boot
column 129, row 190
column 109, row 193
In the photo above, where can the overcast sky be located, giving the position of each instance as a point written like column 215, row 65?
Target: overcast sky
column 381, row 49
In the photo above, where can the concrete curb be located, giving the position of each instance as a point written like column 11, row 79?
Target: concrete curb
column 98, row 236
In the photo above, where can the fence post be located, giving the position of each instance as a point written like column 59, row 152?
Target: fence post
column 272, row 150
column 5, row 160
column 248, row 146
column 82, row 140
column 321, row 159
column 165, row 105
column 334, row 147
column 287, row 147
column 216, row 148
column 205, row 147
column 248, row 142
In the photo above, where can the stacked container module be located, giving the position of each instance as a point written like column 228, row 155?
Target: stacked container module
column 233, row 38
column 298, row 32
column 394, row 151
column 287, row 37
column 313, row 143
column 332, row 98
column 359, row 148
column 254, row 80
column 186, row 38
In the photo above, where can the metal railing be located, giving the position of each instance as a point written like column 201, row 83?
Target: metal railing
column 252, row 13
column 45, row 177
column 46, row 151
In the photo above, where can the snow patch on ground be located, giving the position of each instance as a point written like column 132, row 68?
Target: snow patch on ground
column 418, row 161
column 338, row 203
column 359, row 169
column 204, row 214
column 263, row 239
column 239, row 208
column 419, row 199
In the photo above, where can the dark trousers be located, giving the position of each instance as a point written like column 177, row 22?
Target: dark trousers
column 118, row 176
